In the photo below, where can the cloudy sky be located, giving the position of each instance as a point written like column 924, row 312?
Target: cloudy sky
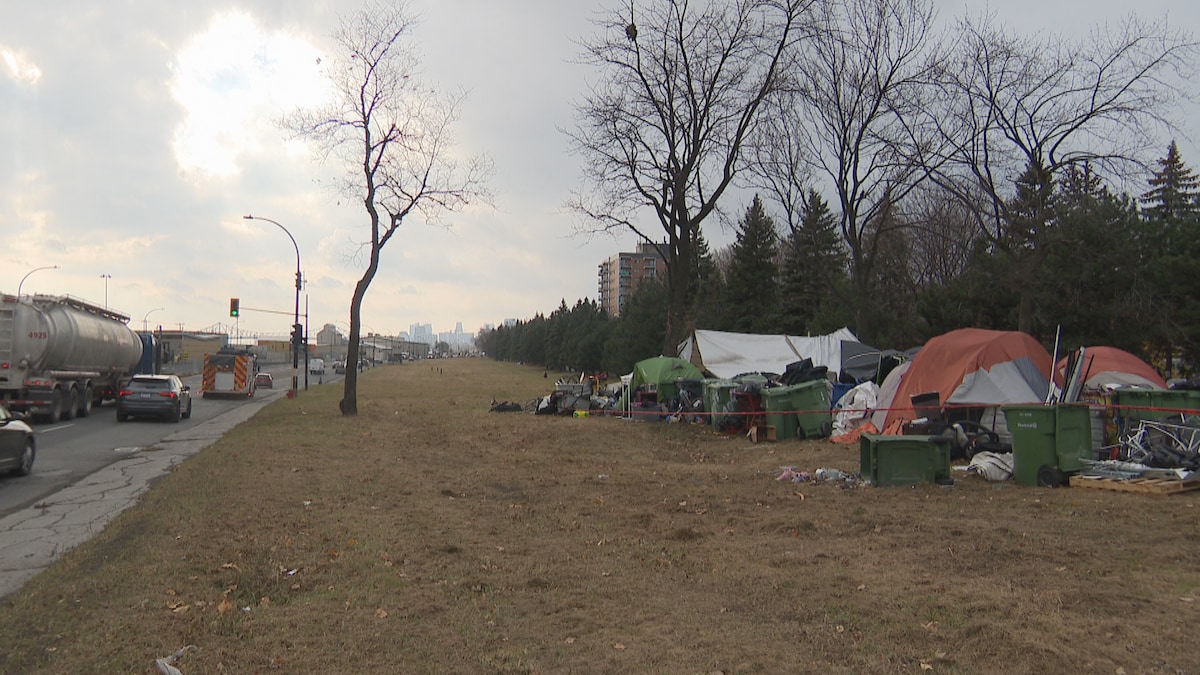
column 135, row 136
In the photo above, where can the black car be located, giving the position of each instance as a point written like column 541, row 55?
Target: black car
column 17, row 444
column 155, row 396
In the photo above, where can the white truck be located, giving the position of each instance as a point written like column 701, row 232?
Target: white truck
column 60, row 355
column 316, row 366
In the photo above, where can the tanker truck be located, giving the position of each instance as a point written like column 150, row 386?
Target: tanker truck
column 60, row 355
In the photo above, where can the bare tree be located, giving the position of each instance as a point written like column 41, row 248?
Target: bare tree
column 1019, row 108
column 850, row 113
column 680, row 90
column 392, row 134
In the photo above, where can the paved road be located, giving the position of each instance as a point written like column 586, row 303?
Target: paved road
column 89, row 470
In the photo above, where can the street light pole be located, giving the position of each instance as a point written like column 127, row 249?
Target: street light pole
column 296, row 315
column 144, row 318
column 36, row 269
column 105, row 277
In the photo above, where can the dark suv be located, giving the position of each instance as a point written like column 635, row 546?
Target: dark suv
column 155, row 395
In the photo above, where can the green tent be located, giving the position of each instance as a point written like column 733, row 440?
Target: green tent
column 660, row 374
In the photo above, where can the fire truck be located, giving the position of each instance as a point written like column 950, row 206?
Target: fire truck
column 228, row 373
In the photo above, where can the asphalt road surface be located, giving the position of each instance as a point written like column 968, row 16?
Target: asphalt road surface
column 69, row 451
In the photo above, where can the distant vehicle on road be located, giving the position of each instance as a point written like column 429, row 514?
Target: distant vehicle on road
column 316, row 367
column 264, row 380
column 339, row 367
column 18, row 447
column 60, row 355
column 155, row 396
column 229, row 372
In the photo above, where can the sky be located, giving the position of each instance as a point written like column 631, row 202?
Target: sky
column 135, row 137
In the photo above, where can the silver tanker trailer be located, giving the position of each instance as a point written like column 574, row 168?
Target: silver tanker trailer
column 60, row 355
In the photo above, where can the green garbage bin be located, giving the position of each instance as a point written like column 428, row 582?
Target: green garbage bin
column 889, row 461
column 1135, row 405
column 717, row 395
column 1172, row 402
column 810, row 400
column 1032, row 430
column 1048, row 441
column 777, row 402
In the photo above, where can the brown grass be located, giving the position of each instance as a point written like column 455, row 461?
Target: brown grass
column 427, row 535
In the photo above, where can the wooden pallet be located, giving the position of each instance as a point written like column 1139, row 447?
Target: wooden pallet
column 1145, row 486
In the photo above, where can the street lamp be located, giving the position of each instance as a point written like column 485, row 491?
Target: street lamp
column 296, row 315
column 156, row 309
column 105, row 277
column 36, row 269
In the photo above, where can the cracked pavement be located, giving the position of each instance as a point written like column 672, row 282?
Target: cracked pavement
column 33, row 538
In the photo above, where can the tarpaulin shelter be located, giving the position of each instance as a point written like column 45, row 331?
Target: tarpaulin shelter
column 861, row 361
column 971, row 367
column 1111, row 366
column 727, row 355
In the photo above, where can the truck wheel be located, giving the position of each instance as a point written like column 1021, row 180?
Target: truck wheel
column 72, row 404
column 85, row 406
column 56, row 405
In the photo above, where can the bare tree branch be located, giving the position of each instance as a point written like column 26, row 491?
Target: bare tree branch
column 392, row 133
column 664, row 128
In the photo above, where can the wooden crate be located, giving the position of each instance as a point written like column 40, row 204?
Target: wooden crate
column 1145, row 486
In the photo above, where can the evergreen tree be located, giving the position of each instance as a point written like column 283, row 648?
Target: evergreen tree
column 1095, row 283
column 814, row 263
column 751, row 283
column 1174, row 192
column 707, row 287
column 640, row 330
column 1172, row 232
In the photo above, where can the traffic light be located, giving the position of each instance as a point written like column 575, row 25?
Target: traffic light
column 297, row 335
column 234, row 306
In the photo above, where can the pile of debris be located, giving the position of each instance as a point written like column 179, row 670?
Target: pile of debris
column 1162, row 448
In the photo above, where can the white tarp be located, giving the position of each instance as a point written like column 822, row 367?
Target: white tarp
column 726, row 354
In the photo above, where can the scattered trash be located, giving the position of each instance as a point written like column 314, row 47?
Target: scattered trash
column 992, row 466
column 828, row 475
column 166, row 664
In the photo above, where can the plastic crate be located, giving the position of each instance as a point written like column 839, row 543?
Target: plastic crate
column 891, row 461
column 575, row 388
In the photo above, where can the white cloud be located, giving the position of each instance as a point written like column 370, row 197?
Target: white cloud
column 233, row 80
column 19, row 67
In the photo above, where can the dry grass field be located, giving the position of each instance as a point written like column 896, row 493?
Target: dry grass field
column 428, row 535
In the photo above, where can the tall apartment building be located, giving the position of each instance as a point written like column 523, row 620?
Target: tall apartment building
column 421, row 332
column 621, row 274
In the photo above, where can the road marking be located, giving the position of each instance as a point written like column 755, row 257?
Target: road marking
column 129, row 450
column 57, row 428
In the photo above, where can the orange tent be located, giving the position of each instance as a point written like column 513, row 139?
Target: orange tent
column 973, row 367
column 1112, row 366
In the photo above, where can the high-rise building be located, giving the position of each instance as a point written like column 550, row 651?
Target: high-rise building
column 621, row 274
column 421, row 332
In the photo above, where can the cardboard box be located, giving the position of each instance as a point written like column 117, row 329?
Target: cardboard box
column 763, row 432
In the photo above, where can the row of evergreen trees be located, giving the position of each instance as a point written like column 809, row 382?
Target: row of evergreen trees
column 1101, row 267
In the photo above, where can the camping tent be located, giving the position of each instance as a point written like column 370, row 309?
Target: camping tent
column 659, row 374
column 972, row 367
column 1112, row 366
column 863, row 362
column 726, row 355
